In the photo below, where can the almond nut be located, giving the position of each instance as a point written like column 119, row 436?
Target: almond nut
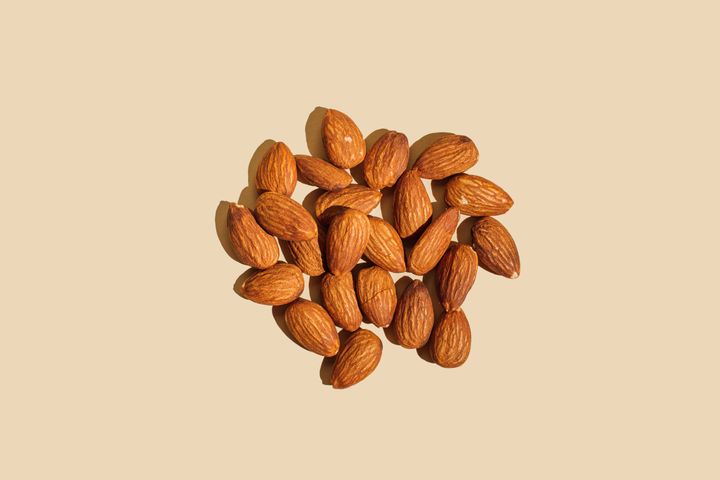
column 387, row 160
column 284, row 217
column 357, row 197
column 448, row 155
column 252, row 245
column 450, row 342
column 280, row 284
column 376, row 293
column 357, row 359
column 476, row 196
column 340, row 301
column 385, row 248
column 411, row 204
column 307, row 255
column 495, row 248
column 344, row 144
column 414, row 316
column 277, row 172
column 455, row 275
column 312, row 327
column 433, row 242
column 317, row 172
column 347, row 237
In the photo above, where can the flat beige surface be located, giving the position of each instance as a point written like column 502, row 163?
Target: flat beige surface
column 125, row 353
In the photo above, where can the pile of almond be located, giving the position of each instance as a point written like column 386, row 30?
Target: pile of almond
column 330, row 241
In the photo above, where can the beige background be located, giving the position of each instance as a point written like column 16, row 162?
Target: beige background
column 125, row 353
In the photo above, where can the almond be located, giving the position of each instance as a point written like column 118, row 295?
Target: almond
column 448, row 155
column 450, row 342
column 284, row 217
column 357, row 197
column 476, row 196
column 495, row 248
column 357, row 359
column 280, row 284
column 312, row 327
column 316, row 171
column 307, row 255
column 376, row 292
column 411, row 204
column 252, row 245
column 340, row 301
column 344, row 144
column 387, row 160
column 414, row 316
column 455, row 275
column 433, row 242
column 347, row 237
column 277, row 172
column 385, row 248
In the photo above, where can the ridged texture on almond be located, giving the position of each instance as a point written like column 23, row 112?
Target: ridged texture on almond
column 447, row 156
column 477, row 196
column 433, row 242
column 277, row 172
column 312, row 327
column 347, row 237
column 357, row 359
column 252, row 245
column 376, row 293
column 385, row 248
column 307, row 255
column 280, row 284
column 340, row 301
column 450, row 342
column 284, row 217
column 387, row 160
column 411, row 205
column 316, row 171
column 357, row 197
column 455, row 275
column 344, row 143
column 414, row 316
column 495, row 248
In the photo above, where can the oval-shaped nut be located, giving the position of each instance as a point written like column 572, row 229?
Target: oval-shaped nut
column 476, row 196
column 277, row 172
column 450, row 342
column 307, row 255
column 347, row 237
column 414, row 316
column 376, row 292
column 455, row 275
column 316, row 171
column 357, row 359
column 387, row 160
column 448, row 155
column 340, row 301
column 280, row 284
column 312, row 327
column 433, row 242
column 495, row 248
column 385, row 248
column 284, row 217
column 411, row 204
column 343, row 141
column 252, row 245
column 357, row 197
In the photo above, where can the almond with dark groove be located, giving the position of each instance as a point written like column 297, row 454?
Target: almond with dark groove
column 385, row 248
column 495, row 248
column 433, row 242
column 252, row 245
column 411, row 204
column 316, row 171
column 387, row 160
column 476, row 196
column 280, row 284
column 343, row 141
column 357, row 197
column 346, row 239
column 357, row 359
column 284, row 217
column 455, row 275
column 311, row 326
column 376, row 293
column 277, row 172
column 448, row 155
column 340, row 301
column 451, row 338
column 414, row 316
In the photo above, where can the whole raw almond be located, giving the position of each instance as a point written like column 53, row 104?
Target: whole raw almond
column 252, row 245
column 433, row 242
column 316, row 171
column 450, row 342
column 376, row 292
column 495, row 248
column 357, row 197
column 387, row 160
column 340, row 301
column 448, row 155
column 414, row 316
column 357, row 359
column 476, row 196
column 280, row 284
column 277, row 171
column 312, row 327
column 284, row 217
column 344, row 144
column 411, row 204
column 385, row 248
column 307, row 255
column 347, row 237
column 455, row 275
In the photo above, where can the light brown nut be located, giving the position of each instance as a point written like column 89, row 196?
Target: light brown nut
column 316, row 171
column 376, row 293
column 387, row 160
column 357, row 197
column 433, row 242
column 495, row 248
column 448, row 155
column 277, row 172
column 284, row 217
column 340, row 301
column 280, row 284
column 450, row 341
column 476, row 196
column 344, row 144
column 252, row 245
column 411, row 204
column 455, row 275
column 357, row 359
column 312, row 327
column 307, row 255
column 347, row 237
column 385, row 248
column 414, row 316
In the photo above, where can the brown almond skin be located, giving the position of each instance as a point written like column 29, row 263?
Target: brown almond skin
column 476, row 196
column 278, row 285
column 411, row 204
column 385, row 248
column 343, row 141
column 387, row 160
column 346, row 239
column 277, row 171
column 316, row 171
column 433, row 242
column 357, row 359
column 307, row 255
column 455, row 275
column 414, row 316
column 312, row 327
column 451, row 338
column 358, row 197
column 252, row 245
column 340, row 300
column 284, row 217
column 376, row 293
column 448, row 155
column 495, row 247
